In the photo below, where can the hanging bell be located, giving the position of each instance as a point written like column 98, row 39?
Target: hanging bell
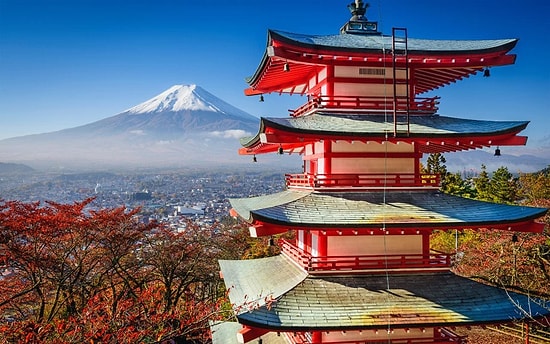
column 286, row 67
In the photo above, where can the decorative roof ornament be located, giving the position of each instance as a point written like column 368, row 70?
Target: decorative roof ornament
column 358, row 10
column 359, row 23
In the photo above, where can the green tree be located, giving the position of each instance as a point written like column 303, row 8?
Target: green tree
column 454, row 184
column 503, row 186
column 481, row 184
column 436, row 164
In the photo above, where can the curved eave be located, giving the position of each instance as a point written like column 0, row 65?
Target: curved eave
column 365, row 211
column 366, row 302
column 433, row 65
column 432, row 134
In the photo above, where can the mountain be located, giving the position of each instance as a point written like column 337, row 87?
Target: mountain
column 471, row 161
column 182, row 126
column 11, row 168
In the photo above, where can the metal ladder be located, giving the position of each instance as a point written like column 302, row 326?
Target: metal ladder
column 400, row 51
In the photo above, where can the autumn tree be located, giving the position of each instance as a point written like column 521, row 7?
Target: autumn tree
column 73, row 274
column 513, row 260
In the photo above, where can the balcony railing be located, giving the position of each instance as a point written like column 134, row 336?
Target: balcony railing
column 358, row 104
column 366, row 180
column 447, row 337
column 328, row 264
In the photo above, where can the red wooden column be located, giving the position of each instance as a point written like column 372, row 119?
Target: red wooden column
column 322, row 245
column 317, row 337
column 327, row 153
column 425, row 244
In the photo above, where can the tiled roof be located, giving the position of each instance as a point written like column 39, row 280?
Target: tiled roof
column 246, row 279
column 371, row 209
column 379, row 42
column 378, row 125
column 378, row 300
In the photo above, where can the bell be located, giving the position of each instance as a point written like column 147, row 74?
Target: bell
column 261, row 98
column 286, row 67
column 497, row 152
column 486, row 73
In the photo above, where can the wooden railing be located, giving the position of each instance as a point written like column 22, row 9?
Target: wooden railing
column 417, row 106
column 362, row 180
column 435, row 260
column 451, row 338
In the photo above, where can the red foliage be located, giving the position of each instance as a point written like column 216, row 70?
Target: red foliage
column 72, row 275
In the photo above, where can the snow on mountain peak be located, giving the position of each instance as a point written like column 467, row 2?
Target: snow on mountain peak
column 176, row 98
column 187, row 97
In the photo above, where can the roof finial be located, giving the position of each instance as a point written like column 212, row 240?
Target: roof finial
column 358, row 9
column 358, row 24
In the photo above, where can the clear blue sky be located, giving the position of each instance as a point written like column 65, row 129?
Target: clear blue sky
column 68, row 63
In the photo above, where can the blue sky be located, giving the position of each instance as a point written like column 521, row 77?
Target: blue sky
column 68, row 63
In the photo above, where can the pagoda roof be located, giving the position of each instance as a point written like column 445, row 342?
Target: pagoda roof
column 368, row 301
column 374, row 209
column 450, row 60
column 381, row 43
column 443, row 133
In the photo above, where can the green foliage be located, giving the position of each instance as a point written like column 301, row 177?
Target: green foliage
column 452, row 240
column 454, row 184
column 436, row 164
column 481, row 184
column 515, row 260
column 503, row 187
column 534, row 186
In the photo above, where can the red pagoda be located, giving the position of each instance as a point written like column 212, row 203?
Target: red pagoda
column 360, row 269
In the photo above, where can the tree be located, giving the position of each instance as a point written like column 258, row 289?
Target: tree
column 513, row 260
column 435, row 163
column 72, row 274
column 481, row 184
column 503, row 187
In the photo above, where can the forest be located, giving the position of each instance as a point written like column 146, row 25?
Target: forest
column 69, row 274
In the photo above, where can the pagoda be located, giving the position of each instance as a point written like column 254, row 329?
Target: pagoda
column 360, row 269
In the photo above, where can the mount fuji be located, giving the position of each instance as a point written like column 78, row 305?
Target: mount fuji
column 182, row 126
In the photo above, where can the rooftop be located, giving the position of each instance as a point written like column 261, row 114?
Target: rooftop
column 367, row 301
column 395, row 209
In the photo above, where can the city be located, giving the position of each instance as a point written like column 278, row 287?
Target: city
column 163, row 195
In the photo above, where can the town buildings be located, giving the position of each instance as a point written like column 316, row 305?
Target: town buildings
column 361, row 269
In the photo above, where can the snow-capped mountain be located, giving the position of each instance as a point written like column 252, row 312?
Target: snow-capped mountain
column 184, row 125
column 187, row 97
column 180, row 110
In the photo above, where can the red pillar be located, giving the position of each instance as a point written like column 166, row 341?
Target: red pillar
column 317, row 337
column 322, row 245
column 426, row 244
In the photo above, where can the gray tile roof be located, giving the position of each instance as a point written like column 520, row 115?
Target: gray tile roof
column 246, row 280
column 378, row 125
column 373, row 301
column 372, row 209
column 379, row 42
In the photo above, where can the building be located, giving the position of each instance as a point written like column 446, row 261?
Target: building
column 361, row 268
